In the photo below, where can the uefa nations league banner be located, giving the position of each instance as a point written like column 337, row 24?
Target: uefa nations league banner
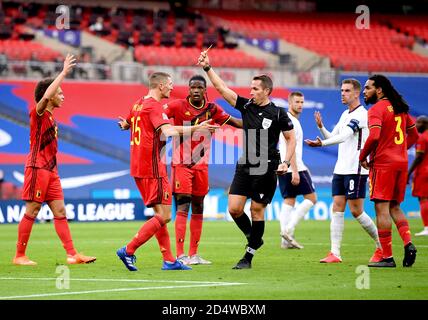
column 96, row 210
column 80, row 210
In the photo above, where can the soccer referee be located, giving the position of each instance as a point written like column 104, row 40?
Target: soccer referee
column 256, row 170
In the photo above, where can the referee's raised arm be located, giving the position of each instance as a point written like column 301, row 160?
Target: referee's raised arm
column 229, row 95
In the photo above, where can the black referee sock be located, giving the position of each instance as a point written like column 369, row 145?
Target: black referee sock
column 257, row 231
column 244, row 223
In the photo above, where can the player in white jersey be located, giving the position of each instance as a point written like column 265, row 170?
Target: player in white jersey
column 297, row 181
column 349, row 178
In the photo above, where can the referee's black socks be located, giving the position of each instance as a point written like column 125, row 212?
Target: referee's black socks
column 244, row 223
column 255, row 241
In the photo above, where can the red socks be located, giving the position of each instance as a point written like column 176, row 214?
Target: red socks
column 404, row 231
column 424, row 212
column 145, row 233
column 61, row 227
column 180, row 231
column 24, row 231
column 63, row 231
column 385, row 238
column 195, row 232
column 164, row 243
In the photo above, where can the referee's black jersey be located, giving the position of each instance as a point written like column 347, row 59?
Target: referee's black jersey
column 262, row 127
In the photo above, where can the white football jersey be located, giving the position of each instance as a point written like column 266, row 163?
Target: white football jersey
column 299, row 144
column 349, row 150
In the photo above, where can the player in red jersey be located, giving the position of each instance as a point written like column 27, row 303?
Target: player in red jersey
column 41, row 180
column 392, row 132
column 420, row 167
column 148, row 123
column 190, row 170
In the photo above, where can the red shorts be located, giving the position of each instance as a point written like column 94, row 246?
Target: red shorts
column 41, row 185
column 189, row 181
column 387, row 184
column 154, row 190
column 420, row 185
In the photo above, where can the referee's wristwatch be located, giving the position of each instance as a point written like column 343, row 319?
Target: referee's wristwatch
column 287, row 162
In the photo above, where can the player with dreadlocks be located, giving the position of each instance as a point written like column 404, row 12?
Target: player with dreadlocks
column 392, row 132
column 190, row 164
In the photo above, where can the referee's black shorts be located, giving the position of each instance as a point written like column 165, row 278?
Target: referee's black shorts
column 288, row 190
column 260, row 188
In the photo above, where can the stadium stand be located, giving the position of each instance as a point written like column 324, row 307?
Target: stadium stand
column 415, row 27
column 90, row 143
column 152, row 55
column 379, row 48
column 16, row 34
column 159, row 38
column 27, row 50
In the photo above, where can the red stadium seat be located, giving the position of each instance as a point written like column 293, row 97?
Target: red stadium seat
column 151, row 55
column 335, row 36
column 23, row 50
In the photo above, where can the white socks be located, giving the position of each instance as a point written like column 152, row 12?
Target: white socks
column 301, row 210
column 337, row 225
column 370, row 227
column 285, row 216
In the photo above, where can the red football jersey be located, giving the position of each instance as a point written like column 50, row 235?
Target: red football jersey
column 422, row 147
column 193, row 151
column 391, row 151
column 145, row 119
column 43, row 141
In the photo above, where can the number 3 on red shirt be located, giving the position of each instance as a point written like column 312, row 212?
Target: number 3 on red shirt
column 400, row 138
column 136, row 131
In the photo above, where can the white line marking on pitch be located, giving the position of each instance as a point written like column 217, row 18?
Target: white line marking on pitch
column 193, row 285
column 124, row 280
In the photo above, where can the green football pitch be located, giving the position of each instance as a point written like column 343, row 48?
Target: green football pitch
column 277, row 274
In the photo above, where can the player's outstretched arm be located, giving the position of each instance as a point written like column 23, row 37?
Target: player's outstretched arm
column 173, row 131
column 314, row 143
column 123, row 124
column 338, row 138
column 69, row 63
column 234, row 122
column 324, row 132
column 228, row 94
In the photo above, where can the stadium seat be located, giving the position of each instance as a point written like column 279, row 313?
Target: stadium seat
column 335, row 36
column 152, row 55
column 23, row 50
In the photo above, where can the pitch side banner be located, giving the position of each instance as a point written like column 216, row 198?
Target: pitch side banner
column 84, row 211
column 96, row 210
